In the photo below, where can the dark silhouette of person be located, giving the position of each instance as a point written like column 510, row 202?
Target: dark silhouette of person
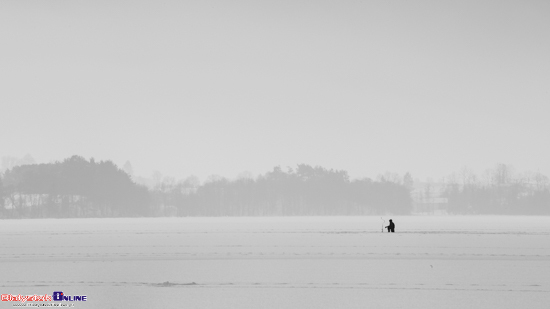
column 391, row 227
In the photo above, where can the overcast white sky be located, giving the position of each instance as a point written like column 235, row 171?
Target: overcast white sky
column 222, row 87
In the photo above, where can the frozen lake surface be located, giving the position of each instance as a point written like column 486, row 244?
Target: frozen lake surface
column 297, row 262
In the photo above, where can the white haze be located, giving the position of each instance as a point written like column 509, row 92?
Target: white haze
column 216, row 87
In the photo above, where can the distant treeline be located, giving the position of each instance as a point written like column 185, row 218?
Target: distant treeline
column 77, row 187
column 499, row 191
column 72, row 188
column 305, row 190
column 80, row 188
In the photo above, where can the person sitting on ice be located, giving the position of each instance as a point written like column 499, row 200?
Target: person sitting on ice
column 391, row 227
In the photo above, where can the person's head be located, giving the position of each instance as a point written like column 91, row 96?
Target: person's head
column 390, row 219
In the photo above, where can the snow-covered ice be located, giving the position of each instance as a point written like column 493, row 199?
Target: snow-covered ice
column 277, row 262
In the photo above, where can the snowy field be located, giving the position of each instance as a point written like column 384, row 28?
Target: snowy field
column 298, row 262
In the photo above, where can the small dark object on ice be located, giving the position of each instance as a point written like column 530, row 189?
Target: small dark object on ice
column 391, row 227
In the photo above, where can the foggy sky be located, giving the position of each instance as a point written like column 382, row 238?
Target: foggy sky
column 222, row 87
